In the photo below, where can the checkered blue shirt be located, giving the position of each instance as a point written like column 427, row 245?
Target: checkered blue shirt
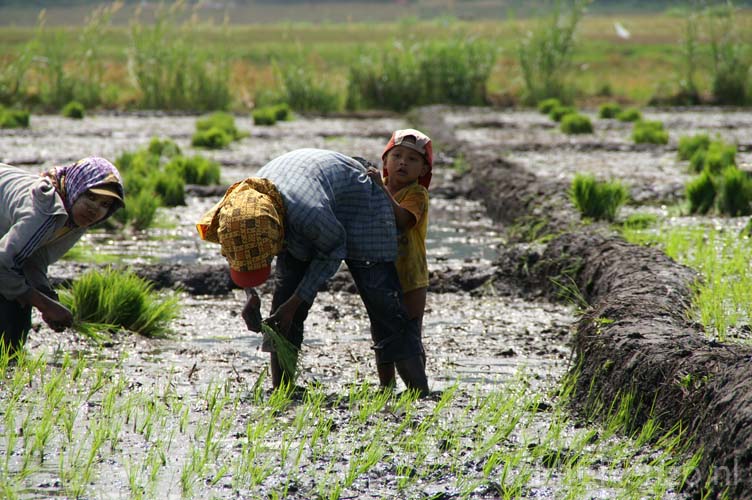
column 333, row 212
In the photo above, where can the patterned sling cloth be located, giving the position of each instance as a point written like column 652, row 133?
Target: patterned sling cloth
column 248, row 223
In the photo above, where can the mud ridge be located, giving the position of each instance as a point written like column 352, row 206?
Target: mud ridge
column 634, row 338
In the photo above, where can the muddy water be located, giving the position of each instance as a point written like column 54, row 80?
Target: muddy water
column 476, row 340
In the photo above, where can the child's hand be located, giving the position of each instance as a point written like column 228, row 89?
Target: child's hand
column 375, row 176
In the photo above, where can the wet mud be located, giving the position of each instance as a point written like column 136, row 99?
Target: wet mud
column 634, row 337
column 497, row 302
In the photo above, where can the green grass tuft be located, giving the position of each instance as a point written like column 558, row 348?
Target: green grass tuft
column 629, row 115
column 598, row 200
column 576, row 123
column 74, row 110
column 547, row 105
column 689, row 145
column 649, row 132
column 609, row 110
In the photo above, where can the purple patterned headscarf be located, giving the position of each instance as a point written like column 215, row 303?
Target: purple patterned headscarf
column 74, row 180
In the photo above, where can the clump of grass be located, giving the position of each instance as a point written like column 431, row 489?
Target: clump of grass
column 735, row 193
column 575, row 123
column 689, row 145
column 74, row 110
column 287, row 353
column 609, row 110
column 156, row 176
column 559, row 112
column 547, row 105
column 216, row 131
column 264, row 116
column 629, row 115
column 14, row 118
column 715, row 157
column 213, row 138
column 163, row 147
column 595, row 199
column 649, row 132
column 195, row 169
column 701, row 193
column 121, row 299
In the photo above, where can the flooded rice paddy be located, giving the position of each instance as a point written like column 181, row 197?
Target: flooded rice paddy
column 191, row 416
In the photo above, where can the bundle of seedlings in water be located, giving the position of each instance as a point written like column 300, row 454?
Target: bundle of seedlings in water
column 14, row 118
column 119, row 300
column 598, row 200
column 715, row 157
column 629, row 115
column 74, row 110
column 216, row 131
column 559, row 112
column 548, row 105
column 689, row 145
column 575, row 123
column 649, row 132
column 609, row 110
column 287, row 353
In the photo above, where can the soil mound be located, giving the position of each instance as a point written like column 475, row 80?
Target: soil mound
column 634, row 339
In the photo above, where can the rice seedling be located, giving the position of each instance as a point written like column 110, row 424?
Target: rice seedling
column 14, row 118
column 264, row 116
column 629, row 115
column 558, row 113
column 701, row 193
column 213, row 138
column 735, row 193
column 596, row 199
column 649, row 132
column 719, row 156
column 122, row 299
column 689, row 145
column 575, row 123
column 287, row 353
column 74, row 110
column 194, row 170
column 547, row 105
column 609, row 110
column 161, row 147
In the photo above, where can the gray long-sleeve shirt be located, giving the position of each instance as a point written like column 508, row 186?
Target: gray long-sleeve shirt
column 32, row 234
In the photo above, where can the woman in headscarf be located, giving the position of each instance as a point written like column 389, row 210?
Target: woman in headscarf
column 41, row 218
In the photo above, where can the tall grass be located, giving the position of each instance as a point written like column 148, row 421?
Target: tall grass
column 121, row 299
column 545, row 53
column 415, row 74
column 730, row 56
column 172, row 70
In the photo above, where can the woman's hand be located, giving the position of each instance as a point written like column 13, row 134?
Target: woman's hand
column 55, row 314
column 281, row 319
column 252, row 310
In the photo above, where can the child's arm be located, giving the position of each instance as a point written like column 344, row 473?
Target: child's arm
column 403, row 217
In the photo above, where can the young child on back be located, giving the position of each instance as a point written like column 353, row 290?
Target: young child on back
column 407, row 161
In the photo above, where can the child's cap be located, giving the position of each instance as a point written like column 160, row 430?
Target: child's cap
column 417, row 141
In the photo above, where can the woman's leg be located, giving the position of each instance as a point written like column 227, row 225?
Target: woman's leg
column 15, row 323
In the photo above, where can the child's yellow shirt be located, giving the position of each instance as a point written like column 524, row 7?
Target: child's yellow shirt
column 411, row 244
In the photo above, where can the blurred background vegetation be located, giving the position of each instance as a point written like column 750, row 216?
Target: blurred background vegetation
column 333, row 56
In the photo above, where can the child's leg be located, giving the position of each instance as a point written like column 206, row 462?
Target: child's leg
column 415, row 303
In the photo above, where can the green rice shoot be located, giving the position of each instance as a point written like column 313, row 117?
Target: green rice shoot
column 287, row 353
